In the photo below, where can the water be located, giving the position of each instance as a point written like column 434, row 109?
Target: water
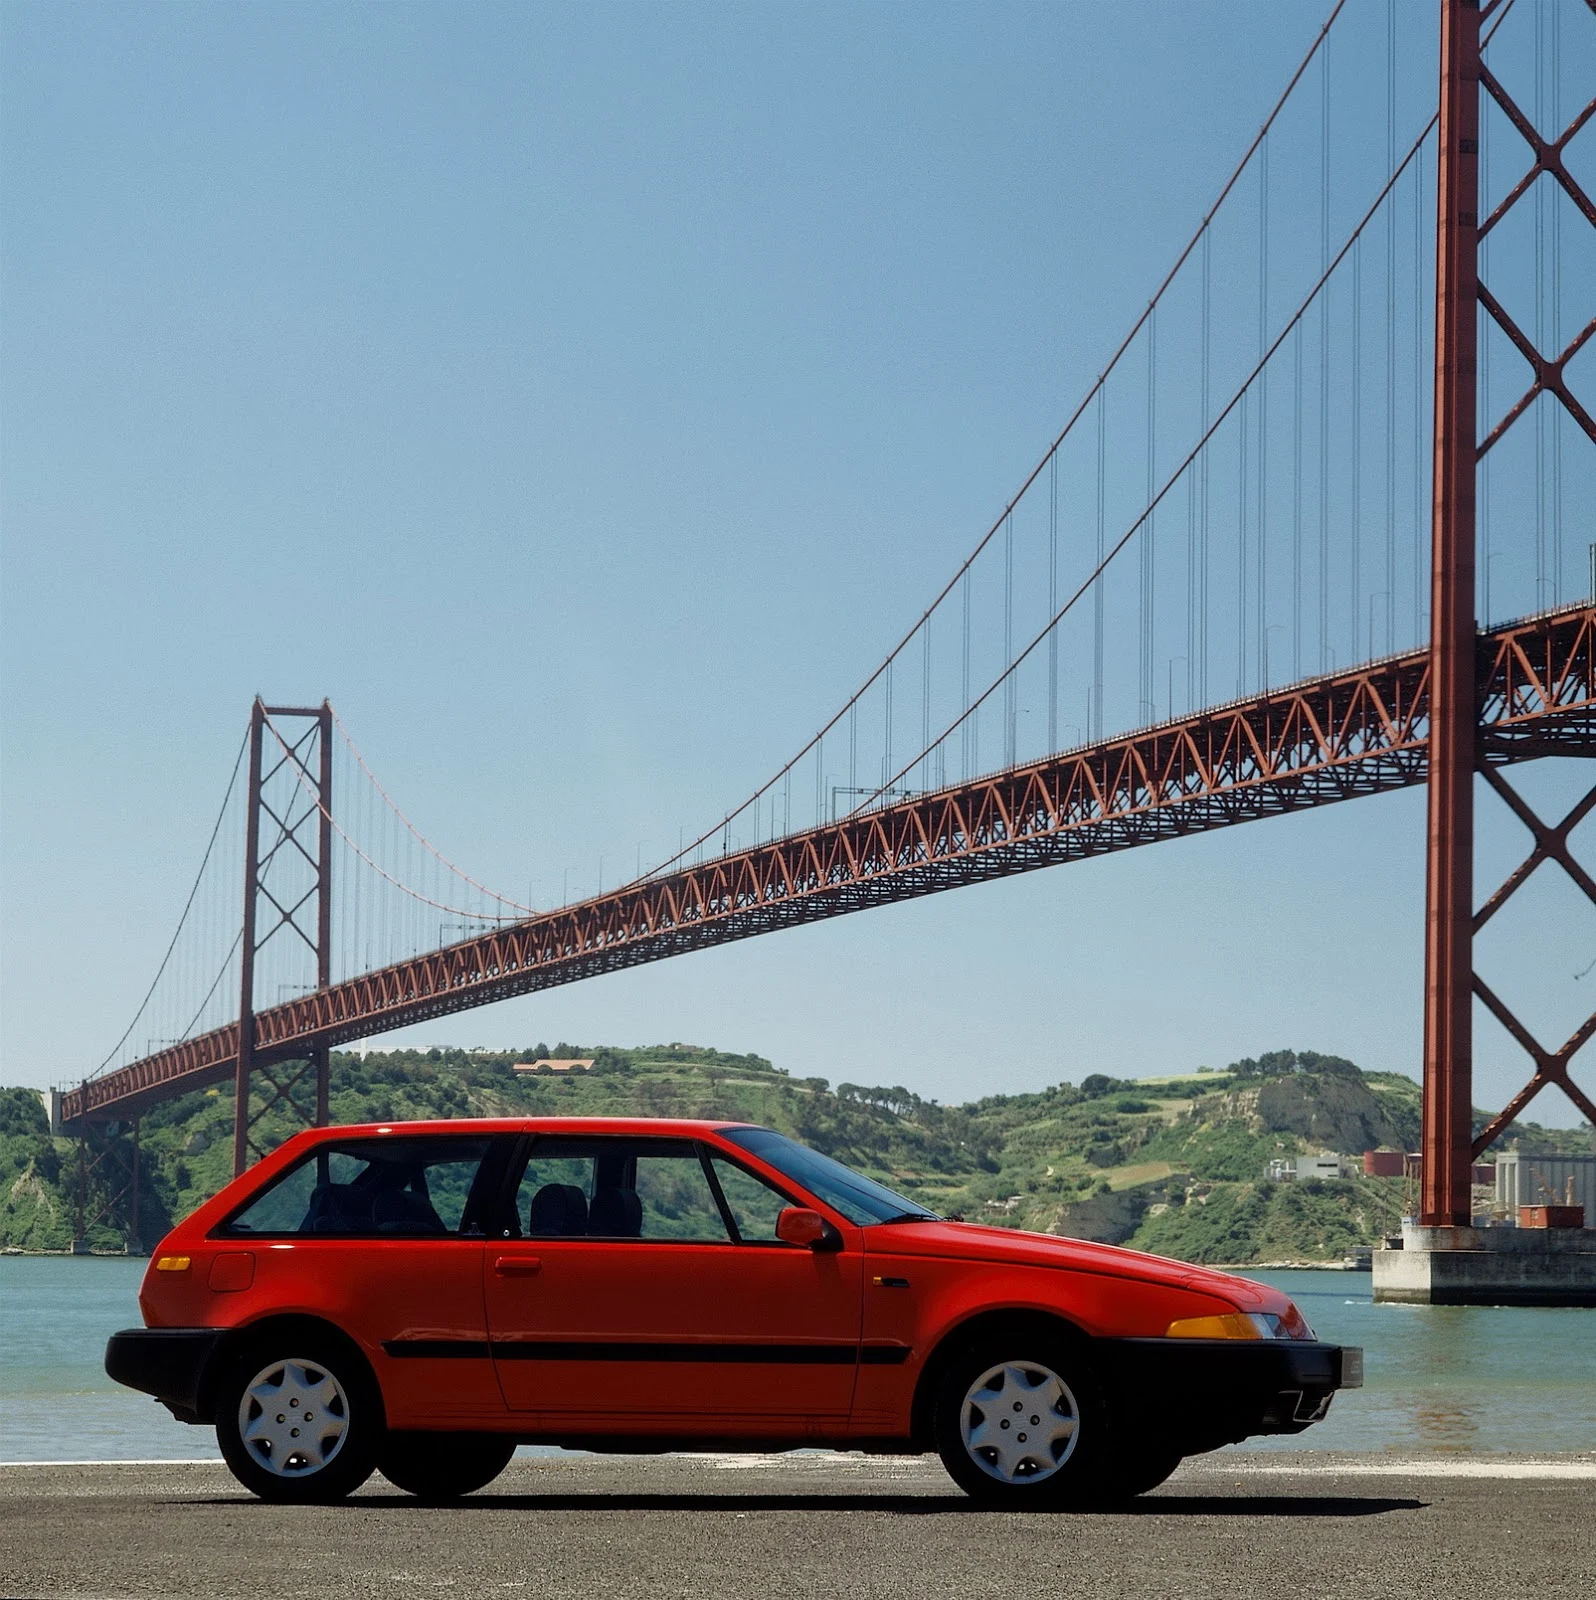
column 1450, row 1379
column 1439, row 1378
column 56, row 1403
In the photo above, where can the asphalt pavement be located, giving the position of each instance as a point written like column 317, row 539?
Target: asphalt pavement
column 1240, row 1527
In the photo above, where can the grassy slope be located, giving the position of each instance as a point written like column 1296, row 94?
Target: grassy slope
column 1173, row 1165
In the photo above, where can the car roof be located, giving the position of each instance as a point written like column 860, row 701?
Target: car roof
column 681, row 1127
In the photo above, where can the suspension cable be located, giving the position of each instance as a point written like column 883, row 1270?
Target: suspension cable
column 1091, row 394
column 227, row 962
column 187, row 906
column 382, row 872
column 427, row 844
column 1192, row 454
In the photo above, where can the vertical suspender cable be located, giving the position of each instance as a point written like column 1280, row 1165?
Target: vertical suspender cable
column 1052, row 606
column 1096, row 719
column 1263, row 416
column 1009, row 685
column 887, row 768
column 966, row 728
column 1417, row 407
column 1202, row 613
column 1557, row 315
column 1243, row 429
column 1148, row 711
column 1296, row 502
column 925, row 704
column 1541, row 575
column 1355, row 542
column 1324, row 360
column 1191, row 586
column 1390, row 333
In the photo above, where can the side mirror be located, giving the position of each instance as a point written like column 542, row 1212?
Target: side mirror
column 799, row 1225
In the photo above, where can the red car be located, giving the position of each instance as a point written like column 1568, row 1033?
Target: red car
column 423, row 1297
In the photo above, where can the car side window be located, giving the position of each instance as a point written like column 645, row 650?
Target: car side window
column 553, row 1198
column 377, row 1187
column 613, row 1188
column 753, row 1203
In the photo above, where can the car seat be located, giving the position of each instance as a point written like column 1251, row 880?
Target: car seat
column 558, row 1211
column 337, row 1208
column 615, row 1214
column 405, row 1211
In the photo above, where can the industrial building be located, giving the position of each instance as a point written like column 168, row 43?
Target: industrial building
column 1525, row 1178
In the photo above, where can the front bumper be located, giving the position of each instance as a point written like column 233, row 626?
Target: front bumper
column 170, row 1363
column 1203, row 1393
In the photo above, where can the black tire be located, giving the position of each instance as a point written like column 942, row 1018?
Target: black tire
column 315, row 1376
column 1137, row 1474
column 1063, row 1473
column 443, row 1466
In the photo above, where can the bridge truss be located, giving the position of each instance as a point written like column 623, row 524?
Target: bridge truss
column 1360, row 732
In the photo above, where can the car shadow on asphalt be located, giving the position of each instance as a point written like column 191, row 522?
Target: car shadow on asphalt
column 903, row 1505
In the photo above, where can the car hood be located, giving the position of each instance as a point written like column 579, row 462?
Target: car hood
column 970, row 1241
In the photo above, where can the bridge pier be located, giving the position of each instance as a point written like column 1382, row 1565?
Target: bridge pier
column 108, row 1182
column 1454, row 1266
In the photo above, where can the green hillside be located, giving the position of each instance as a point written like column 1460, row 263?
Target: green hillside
column 1175, row 1165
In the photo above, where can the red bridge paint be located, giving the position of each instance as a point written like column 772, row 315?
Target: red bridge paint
column 1331, row 738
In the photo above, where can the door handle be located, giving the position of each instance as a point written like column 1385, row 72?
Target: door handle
column 518, row 1266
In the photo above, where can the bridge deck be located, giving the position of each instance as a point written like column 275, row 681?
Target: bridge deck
column 1329, row 738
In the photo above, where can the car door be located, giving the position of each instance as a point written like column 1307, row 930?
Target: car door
column 626, row 1296
column 382, row 1235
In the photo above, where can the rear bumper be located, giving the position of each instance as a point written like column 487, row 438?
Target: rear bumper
column 169, row 1363
column 1203, row 1393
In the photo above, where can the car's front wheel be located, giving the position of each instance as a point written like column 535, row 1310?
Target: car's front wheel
column 443, row 1466
column 1140, row 1472
column 298, row 1423
column 1021, row 1421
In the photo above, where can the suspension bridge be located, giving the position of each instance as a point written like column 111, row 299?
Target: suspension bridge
column 1324, row 474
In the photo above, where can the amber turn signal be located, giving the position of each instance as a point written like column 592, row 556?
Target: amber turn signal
column 1233, row 1325
column 171, row 1263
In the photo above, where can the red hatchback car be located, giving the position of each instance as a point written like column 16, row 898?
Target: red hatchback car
column 420, row 1298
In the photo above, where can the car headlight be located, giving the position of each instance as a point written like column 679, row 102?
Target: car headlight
column 1241, row 1325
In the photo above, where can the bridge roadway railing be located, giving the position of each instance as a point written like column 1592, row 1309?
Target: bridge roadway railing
column 1358, row 732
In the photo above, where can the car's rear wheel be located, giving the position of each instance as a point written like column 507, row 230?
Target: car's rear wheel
column 1020, row 1421
column 299, row 1419
column 443, row 1466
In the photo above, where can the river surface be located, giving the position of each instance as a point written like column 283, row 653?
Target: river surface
column 1439, row 1378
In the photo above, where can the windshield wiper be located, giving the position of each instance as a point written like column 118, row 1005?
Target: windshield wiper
column 914, row 1216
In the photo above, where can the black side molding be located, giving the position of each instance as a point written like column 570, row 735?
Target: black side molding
column 788, row 1355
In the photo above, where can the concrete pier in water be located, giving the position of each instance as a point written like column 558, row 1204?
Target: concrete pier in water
column 1489, row 1267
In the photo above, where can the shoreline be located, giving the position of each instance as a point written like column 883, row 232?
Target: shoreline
column 1223, row 1266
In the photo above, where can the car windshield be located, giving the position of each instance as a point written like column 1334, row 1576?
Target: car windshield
column 860, row 1199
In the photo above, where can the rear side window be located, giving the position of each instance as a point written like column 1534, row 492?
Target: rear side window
column 382, row 1187
column 618, row 1188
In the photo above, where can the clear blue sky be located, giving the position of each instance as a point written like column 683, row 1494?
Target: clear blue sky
column 582, row 398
